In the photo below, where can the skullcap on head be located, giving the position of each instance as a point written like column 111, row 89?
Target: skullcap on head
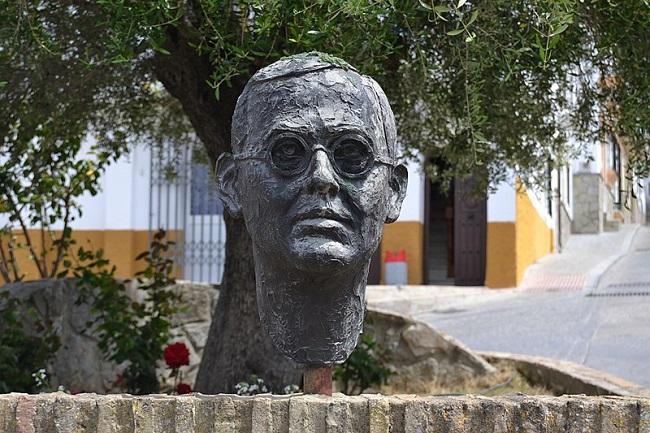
column 300, row 64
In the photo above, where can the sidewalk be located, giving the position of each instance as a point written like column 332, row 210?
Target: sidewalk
column 578, row 267
column 582, row 262
column 630, row 274
column 418, row 300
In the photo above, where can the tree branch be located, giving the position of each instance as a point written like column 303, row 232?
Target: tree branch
column 28, row 238
column 14, row 262
column 186, row 75
column 62, row 244
column 43, row 249
column 4, row 264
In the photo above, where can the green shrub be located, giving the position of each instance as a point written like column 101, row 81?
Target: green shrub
column 26, row 345
column 129, row 331
column 365, row 368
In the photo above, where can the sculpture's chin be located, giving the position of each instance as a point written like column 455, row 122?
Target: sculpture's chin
column 313, row 253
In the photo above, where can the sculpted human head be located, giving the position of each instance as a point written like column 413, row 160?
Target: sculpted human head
column 315, row 176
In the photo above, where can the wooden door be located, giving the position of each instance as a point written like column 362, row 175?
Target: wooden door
column 470, row 221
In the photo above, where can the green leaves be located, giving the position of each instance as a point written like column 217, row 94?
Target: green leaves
column 27, row 343
column 440, row 61
column 365, row 368
column 41, row 182
column 130, row 331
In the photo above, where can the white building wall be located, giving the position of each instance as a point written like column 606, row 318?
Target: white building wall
column 501, row 204
column 413, row 205
column 122, row 202
column 140, row 187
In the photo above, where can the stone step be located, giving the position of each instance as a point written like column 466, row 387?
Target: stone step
column 611, row 226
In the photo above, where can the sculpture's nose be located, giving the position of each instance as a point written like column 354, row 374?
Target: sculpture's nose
column 323, row 179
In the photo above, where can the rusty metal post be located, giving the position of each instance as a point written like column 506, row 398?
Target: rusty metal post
column 317, row 380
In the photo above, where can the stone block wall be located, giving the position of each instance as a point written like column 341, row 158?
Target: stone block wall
column 79, row 364
column 587, row 203
column 62, row 413
column 192, row 323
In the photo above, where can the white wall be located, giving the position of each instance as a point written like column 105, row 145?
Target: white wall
column 140, row 185
column 501, row 204
column 413, row 205
column 122, row 202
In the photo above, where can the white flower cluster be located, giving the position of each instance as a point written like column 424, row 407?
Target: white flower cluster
column 255, row 385
column 291, row 389
column 40, row 378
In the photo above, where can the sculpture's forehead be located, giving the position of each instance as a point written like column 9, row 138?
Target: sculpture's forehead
column 316, row 102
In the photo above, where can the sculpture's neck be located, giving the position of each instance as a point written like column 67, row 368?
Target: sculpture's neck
column 314, row 320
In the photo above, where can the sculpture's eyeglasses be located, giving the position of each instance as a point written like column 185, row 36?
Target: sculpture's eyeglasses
column 350, row 155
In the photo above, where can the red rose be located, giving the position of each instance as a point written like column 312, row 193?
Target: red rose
column 177, row 354
column 183, row 388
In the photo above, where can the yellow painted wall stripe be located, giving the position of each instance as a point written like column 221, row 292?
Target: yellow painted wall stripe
column 120, row 247
column 501, row 255
column 534, row 239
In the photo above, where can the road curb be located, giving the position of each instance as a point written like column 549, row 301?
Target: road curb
column 592, row 278
column 565, row 377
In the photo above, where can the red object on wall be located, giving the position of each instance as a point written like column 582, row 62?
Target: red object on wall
column 395, row 256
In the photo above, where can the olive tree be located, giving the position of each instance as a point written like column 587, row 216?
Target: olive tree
column 476, row 86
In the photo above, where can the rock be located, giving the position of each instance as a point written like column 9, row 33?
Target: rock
column 421, row 355
column 199, row 301
column 565, row 377
column 78, row 365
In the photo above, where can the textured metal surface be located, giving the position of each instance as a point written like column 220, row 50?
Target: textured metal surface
column 314, row 225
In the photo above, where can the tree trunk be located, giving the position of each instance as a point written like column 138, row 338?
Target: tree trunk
column 236, row 346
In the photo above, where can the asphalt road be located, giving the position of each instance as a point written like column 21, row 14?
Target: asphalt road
column 608, row 330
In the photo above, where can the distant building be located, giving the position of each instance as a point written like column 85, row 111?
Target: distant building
column 448, row 238
column 146, row 190
column 491, row 242
column 453, row 239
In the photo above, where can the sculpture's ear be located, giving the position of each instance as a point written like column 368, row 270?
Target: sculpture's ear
column 226, row 184
column 398, row 182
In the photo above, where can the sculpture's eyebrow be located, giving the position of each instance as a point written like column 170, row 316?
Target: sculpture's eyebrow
column 308, row 132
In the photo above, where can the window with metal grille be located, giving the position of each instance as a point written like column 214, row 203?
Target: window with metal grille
column 203, row 196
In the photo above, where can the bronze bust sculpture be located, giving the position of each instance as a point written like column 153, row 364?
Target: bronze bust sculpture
column 315, row 176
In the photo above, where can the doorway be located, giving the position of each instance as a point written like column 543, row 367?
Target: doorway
column 439, row 235
column 455, row 235
column 470, row 233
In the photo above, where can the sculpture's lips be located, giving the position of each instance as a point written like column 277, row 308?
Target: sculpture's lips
column 319, row 215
